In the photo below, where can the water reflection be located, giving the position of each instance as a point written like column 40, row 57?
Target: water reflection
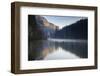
column 52, row 50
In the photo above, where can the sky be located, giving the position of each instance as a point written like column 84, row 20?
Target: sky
column 62, row 21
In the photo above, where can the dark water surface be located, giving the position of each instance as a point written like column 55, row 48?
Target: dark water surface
column 53, row 49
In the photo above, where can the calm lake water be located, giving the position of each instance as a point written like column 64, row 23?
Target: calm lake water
column 53, row 49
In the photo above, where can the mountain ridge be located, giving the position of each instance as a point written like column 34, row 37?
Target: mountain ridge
column 77, row 30
column 41, row 29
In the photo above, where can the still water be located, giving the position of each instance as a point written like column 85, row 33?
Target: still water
column 53, row 49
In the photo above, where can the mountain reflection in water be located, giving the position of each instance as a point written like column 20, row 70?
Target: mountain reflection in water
column 57, row 49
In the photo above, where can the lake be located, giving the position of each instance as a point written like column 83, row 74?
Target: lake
column 55, row 49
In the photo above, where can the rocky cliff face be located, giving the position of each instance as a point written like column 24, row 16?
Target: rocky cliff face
column 39, row 28
column 47, row 28
column 41, row 21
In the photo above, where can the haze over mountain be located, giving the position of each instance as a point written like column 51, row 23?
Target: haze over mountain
column 41, row 29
